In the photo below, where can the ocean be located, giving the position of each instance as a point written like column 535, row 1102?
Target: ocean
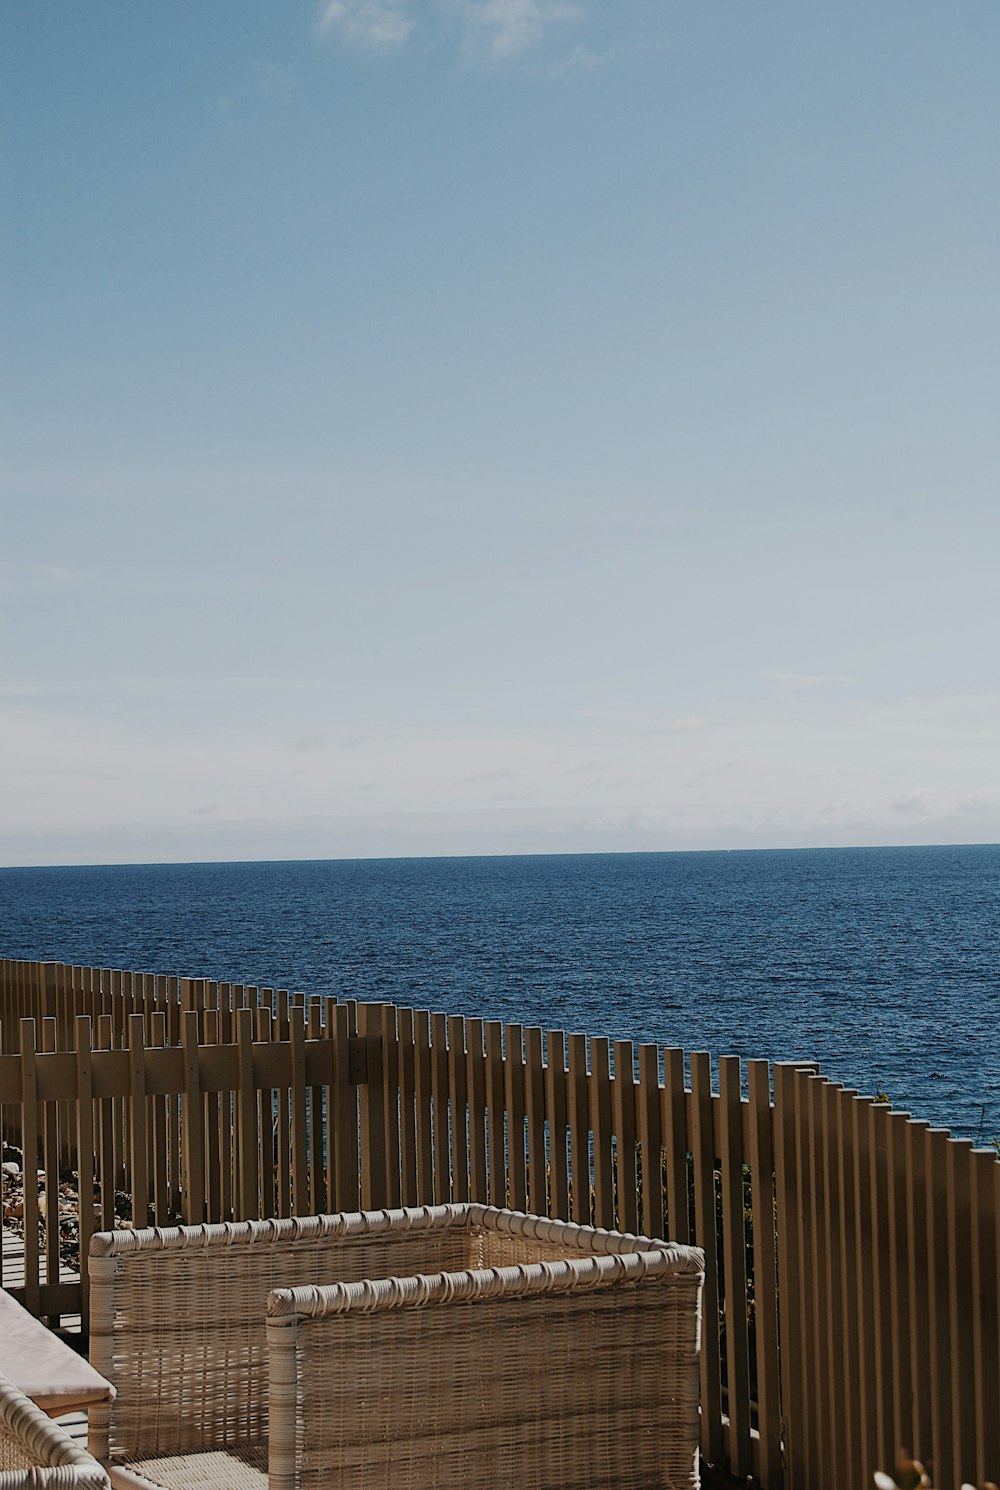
column 883, row 964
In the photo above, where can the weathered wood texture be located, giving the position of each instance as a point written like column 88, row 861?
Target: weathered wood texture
column 853, row 1258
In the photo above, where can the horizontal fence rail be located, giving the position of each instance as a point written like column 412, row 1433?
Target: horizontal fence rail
column 852, row 1255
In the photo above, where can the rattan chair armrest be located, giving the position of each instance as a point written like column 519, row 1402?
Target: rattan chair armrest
column 35, row 1452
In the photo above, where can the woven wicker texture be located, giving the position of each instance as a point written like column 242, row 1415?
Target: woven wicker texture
column 235, row 1469
column 173, row 1307
column 497, row 1350
column 577, row 1374
column 35, row 1453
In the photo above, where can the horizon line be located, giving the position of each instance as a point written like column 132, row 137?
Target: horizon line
column 804, row 848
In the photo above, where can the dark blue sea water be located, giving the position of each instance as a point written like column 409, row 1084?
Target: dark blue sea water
column 883, row 964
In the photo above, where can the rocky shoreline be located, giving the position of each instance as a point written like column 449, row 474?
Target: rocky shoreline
column 68, row 1201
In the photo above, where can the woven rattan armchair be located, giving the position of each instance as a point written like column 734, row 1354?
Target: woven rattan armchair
column 491, row 1350
column 36, row 1454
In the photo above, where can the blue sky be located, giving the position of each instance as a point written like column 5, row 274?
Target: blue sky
column 471, row 426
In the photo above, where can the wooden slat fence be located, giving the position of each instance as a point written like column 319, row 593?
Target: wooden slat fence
column 889, row 1272
column 851, row 1297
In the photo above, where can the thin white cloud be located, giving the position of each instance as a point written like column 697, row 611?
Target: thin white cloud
column 581, row 60
column 53, row 574
column 13, row 571
column 805, row 768
column 809, row 680
column 317, row 740
column 377, row 24
column 505, row 28
column 269, row 89
column 688, row 723
column 495, row 29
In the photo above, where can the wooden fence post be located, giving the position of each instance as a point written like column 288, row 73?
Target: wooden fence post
column 193, row 1123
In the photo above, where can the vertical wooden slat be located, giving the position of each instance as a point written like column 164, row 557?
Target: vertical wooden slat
column 827, row 1193
column 407, row 1108
column 807, row 1414
column 847, row 1347
column 600, row 1126
column 157, row 1104
column 814, row 1173
column 650, row 1097
column 476, row 1085
column 106, row 1136
column 899, row 1281
column 995, row 1329
column 374, row 1170
column 264, row 1020
column 865, row 1265
column 701, row 1129
column 85, row 1156
column 734, row 1264
column 579, row 1130
column 297, row 1095
column 963, row 1414
column 161, row 1001
column 673, row 1114
column 390, row 1103
column 121, row 990
column 227, row 1111
column 145, row 1008
column 624, row 1127
column 458, row 1101
column 347, row 1122
column 514, row 1101
column 282, row 1097
column 50, row 1146
column 330, row 1115
column 939, row 1338
column 173, row 1011
column 213, row 1116
column 194, row 1125
column 116, row 1010
column 442, row 1123
column 786, row 1190
column 496, row 1129
column 879, row 1241
column 137, row 1113
column 317, row 1168
column 556, row 1110
column 534, row 1103
column 761, row 1158
column 424, row 1104
column 247, row 1155
column 29, row 1149
column 833, row 1260
column 984, row 1190
column 920, row 1435
column 173, row 1103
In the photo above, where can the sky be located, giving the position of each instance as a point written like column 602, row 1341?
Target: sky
column 497, row 426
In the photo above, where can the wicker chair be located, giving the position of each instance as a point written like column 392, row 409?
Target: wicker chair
column 35, row 1453
column 493, row 1350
